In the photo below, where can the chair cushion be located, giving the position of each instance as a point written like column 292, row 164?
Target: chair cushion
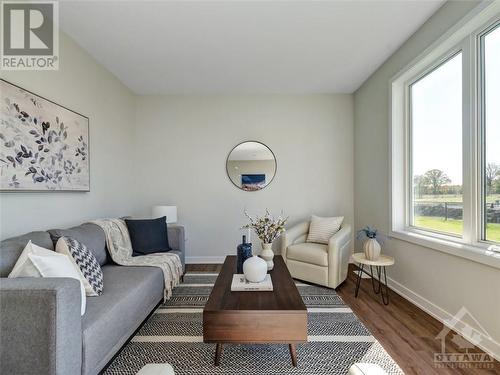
column 91, row 235
column 312, row 253
column 322, row 228
column 129, row 295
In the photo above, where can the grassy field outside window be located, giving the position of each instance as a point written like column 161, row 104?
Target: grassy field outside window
column 450, row 225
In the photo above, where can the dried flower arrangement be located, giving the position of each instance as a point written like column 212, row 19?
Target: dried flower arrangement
column 267, row 227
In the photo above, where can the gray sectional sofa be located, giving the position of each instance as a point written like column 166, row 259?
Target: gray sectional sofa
column 41, row 328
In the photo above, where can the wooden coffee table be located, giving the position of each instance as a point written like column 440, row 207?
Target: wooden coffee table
column 277, row 317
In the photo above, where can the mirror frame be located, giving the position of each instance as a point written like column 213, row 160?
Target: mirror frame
column 275, row 168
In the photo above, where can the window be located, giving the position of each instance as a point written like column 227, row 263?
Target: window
column 490, row 86
column 435, row 108
column 445, row 142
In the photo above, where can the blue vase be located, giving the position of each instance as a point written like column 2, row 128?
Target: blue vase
column 243, row 253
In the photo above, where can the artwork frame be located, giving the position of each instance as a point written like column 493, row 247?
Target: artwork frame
column 44, row 146
column 253, row 181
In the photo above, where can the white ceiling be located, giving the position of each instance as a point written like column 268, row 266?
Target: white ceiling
column 166, row 47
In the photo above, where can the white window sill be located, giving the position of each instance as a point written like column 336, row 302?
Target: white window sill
column 477, row 254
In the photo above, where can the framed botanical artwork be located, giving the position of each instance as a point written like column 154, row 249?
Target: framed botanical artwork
column 43, row 145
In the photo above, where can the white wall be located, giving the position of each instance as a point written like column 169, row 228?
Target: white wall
column 438, row 282
column 183, row 143
column 84, row 86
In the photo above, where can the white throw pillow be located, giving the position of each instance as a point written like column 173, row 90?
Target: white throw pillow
column 24, row 267
column 58, row 265
column 322, row 228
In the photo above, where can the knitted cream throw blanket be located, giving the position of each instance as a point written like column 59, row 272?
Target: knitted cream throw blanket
column 120, row 249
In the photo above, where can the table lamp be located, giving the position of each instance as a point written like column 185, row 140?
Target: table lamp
column 169, row 211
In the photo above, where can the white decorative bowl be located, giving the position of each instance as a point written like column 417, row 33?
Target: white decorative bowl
column 255, row 269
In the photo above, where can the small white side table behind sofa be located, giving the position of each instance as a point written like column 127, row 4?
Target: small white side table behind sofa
column 379, row 264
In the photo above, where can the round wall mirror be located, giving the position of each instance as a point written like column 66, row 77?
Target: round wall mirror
column 251, row 166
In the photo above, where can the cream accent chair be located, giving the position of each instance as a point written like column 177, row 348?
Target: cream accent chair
column 313, row 262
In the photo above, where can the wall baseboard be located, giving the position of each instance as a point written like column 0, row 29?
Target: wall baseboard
column 206, row 259
column 487, row 343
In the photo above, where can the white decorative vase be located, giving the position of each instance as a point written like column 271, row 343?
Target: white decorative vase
column 268, row 255
column 371, row 248
column 255, row 269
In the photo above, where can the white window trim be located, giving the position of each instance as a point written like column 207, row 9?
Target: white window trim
column 462, row 36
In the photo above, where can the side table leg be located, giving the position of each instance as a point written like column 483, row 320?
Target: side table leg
column 218, row 352
column 293, row 354
column 375, row 290
column 382, row 272
column 385, row 299
column 358, row 281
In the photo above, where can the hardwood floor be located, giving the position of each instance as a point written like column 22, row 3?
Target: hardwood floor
column 203, row 267
column 405, row 331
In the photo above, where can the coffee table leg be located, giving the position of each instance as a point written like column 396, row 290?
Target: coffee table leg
column 218, row 352
column 293, row 354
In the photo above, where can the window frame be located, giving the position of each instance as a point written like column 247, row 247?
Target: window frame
column 464, row 37
column 481, row 131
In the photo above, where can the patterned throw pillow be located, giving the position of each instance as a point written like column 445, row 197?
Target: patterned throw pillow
column 322, row 228
column 90, row 270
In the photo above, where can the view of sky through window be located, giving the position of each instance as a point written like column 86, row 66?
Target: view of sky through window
column 436, row 144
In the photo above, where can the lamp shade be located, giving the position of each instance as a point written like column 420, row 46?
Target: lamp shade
column 169, row 211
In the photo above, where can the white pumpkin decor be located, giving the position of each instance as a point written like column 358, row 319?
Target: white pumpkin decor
column 255, row 269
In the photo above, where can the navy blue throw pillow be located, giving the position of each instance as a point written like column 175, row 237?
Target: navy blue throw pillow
column 148, row 236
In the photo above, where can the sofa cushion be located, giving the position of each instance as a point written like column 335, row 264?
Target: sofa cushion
column 148, row 236
column 85, row 262
column 312, row 253
column 11, row 249
column 129, row 296
column 90, row 235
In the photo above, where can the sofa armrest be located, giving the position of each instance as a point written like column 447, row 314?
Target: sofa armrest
column 290, row 236
column 177, row 240
column 339, row 253
column 40, row 326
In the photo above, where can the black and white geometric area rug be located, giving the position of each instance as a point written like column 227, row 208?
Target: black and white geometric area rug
column 173, row 334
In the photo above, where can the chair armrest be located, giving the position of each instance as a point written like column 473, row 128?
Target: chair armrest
column 339, row 239
column 339, row 253
column 291, row 235
column 177, row 240
column 41, row 326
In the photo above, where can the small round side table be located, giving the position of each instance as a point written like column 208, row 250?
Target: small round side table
column 379, row 264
